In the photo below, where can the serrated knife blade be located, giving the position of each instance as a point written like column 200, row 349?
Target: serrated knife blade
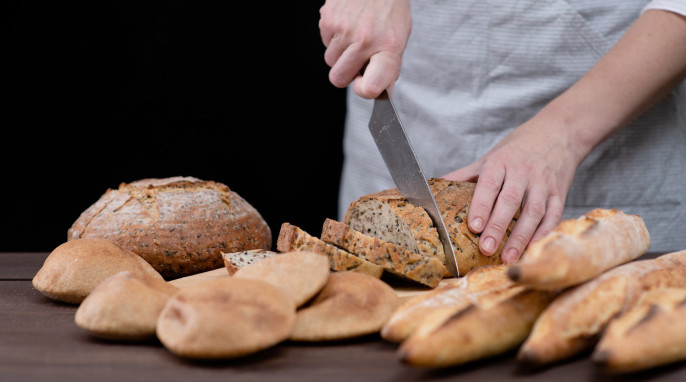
column 402, row 163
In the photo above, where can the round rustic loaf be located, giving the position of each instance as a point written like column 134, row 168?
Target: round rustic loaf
column 180, row 225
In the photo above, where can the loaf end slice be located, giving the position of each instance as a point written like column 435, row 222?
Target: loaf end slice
column 293, row 238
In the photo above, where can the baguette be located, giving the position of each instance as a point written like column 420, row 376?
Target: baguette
column 476, row 332
column 397, row 260
column 573, row 322
column 388, row 215
column 579, row 249
column 651, row 334
column 480, row 285
column 293, row 238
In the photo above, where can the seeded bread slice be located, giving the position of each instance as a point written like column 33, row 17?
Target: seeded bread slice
column 293, row 238
column 395, row 259
column 387, row 215
column 237, row 260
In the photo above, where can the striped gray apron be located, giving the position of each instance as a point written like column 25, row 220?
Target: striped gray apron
column 475, row 70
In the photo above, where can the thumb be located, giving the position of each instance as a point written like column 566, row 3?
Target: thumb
column 469, row 173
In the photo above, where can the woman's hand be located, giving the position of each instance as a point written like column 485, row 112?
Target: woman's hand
column 365, row 32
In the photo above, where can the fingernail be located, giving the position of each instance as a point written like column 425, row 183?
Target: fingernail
column 489, row 245
column 477, row 224
column 510, row 256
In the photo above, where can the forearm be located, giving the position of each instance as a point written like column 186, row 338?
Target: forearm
column 645, row 65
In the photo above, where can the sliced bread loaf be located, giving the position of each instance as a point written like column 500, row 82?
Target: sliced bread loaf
column 237, row 260
column 293, row 238
column 387, row 215
column 427, row 270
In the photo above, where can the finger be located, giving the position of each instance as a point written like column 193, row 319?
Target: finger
column 380, row 73
column 553, row 215
column 533, row 211
column 508, row 202
column 469, row 173
column 487, row 189
column 348, row 65
column 335, row 47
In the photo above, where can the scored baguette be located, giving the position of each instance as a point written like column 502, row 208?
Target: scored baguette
column 651, row 334
column 478, row 286
column 293, row 238
column 476, row 332
column 574, row 320
column 579, row 249
column 399, row 261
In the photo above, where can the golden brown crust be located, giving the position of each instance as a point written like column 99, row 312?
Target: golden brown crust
column 350, row 305
column 292, row 238
column 650, row 334
column 125, row 306
column 453, row 200
column 475, row 332
column 576, row 318
column 180, row 225
column 225, row 318
column 76, row 267
column 580, row 249
column 394, row 259
column 299, row 274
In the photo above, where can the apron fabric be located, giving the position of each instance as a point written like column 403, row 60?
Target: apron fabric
column 474, row 70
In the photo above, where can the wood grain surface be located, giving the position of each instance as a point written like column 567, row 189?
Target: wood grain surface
column 39, row 341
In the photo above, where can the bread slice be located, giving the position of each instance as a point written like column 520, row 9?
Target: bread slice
column 292, row 238
column 651, row 334
column 579, row 249
column 237, row 260
column 574, row 321
column 475, row 332
column 387, row 215
column 397, row 260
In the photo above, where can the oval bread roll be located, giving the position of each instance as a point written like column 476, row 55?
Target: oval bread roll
column 225, row 318
column 124, row 307
column 351, row 304
column 299, row 274
column 75, row 268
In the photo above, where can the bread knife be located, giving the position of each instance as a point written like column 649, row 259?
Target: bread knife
column 402, row 163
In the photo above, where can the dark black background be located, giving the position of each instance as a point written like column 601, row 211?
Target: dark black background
column 96, row 93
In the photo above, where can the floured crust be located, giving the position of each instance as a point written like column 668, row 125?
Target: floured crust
column 225, row 318
column 350, row 305
column 292, row 238
column 388, row 216
column 73, row 269
column 580, row 249
column 576, row 318
column 397, row 260
column 179, row 225
column 651, row 333
column 299, row 274
column 125, row 306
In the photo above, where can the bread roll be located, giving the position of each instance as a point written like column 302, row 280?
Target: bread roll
column 392, row 258
column 575, row 319
column 387, row 215
column 579, row 249
column 180, row 225
column 76, row 267
column 350, row 305
column 124, row 306
column 225, row 318
column 650, row 334
column 299, row 274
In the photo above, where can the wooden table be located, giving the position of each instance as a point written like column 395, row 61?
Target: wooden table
column 39, row 341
